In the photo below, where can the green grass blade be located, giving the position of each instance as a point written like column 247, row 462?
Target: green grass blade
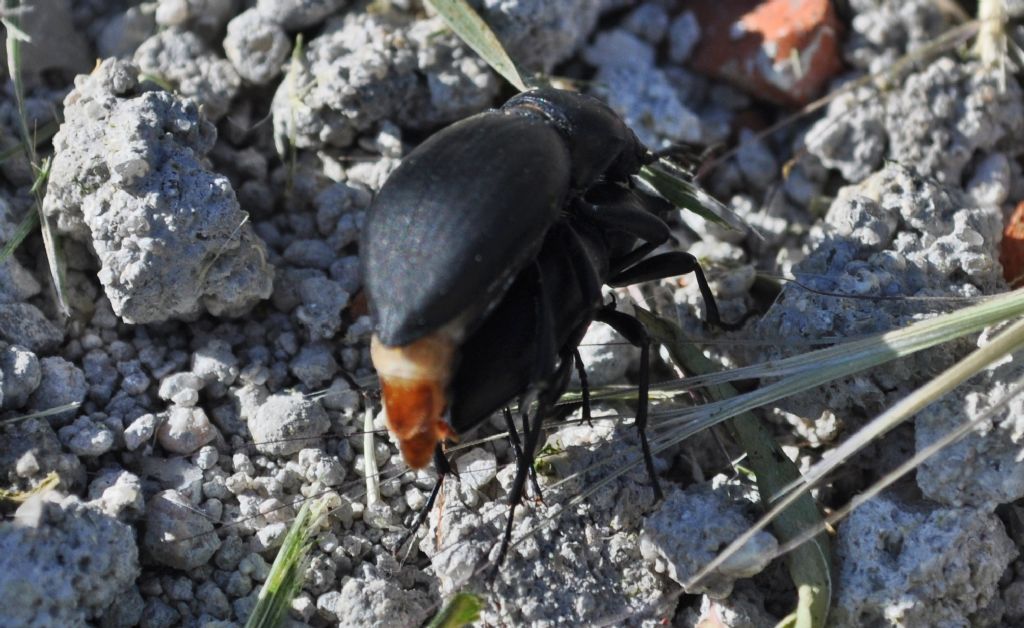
column 475, row 32
column 25, row 227
column 461, row 610
column 684, row 194
column 50, row 241
column 288, row 571
column 810, row 565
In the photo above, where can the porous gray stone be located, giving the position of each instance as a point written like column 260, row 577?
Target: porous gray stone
column 204, row 17
column 176, row 534
column 61, row 383
column 29, row 450
column 369, row 67
column 185, row 430
column 630, row 82
column 256, row 46
column 986, row 467
column 894, row 234
column 934, row 123
column 322, row 302
column 287, row 423
column 314, row 365
column 63, row 563
column 182, row 389
column 118, row 493
column 128, row 178
column 882, row 31
column 691, row 527
column 86, row 437
column 386, row 589
column 181, row 58
column 297, row 14
column 915, row 564
column 20, row 375
column 23, row 324
column 583, row 567
column 124, row 32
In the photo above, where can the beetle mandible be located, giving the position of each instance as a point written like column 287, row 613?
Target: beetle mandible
column 484, row 254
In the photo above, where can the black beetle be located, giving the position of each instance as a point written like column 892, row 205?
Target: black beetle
column 484, row 255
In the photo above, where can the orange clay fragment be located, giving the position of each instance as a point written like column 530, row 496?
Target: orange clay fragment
column 413, row 379
column 1012, row 251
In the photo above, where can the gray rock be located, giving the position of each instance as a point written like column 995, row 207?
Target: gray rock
column 641, row 93
column 100, row 374
column 540, row 34
column 895, row 234
column 991, row 180
column 55, row 43
column 882, row 31
column 158, row 614
column 256, row 46
column 384, row 590
column 163, row 255
column 215, row 363
column 297, row 14
column 174, row 473
column 20, row 375
column 649, row 21
column 318, row 466
column 63, row 563
column 204, row 17
column 936, row 122
column 29, row 450
column 287, row 423
column 744, row 608
column 369, row 67
column 314, row 365
column 691, row 527
column 322, row 302
column 584, row 566
column 185, row 430
column 134, row 380
column 61, row 383
column 23, row 324
column 607, row 356
column 986, row 467
column 476, row 468
column 176, row 534
column 125, row 32
column 683, row 36
column 182, row 389
column 914, row 564
column 183, row 60
column 309, row 254
column 17, row 284
column 126, row 610
column 86, row 437
column 852, row 137
column 118, row 493
column 140, row 430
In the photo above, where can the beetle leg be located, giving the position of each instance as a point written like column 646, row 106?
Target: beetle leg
column 671, row 265
column 517, row 448
column 581, row 371
column 635, row 333
column 545, row 400
column 443, row 468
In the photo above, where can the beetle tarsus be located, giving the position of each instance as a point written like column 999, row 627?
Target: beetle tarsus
column 581, row 371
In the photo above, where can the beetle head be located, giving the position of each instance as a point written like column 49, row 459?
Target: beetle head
column 599, row 142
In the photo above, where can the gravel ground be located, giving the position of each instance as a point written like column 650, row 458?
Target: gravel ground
column 218, row 323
